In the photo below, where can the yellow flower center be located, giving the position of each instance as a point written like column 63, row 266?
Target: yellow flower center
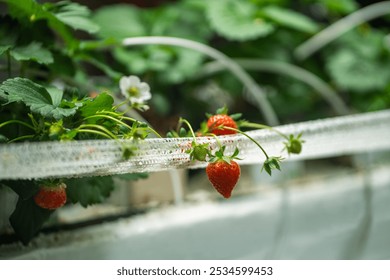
column 133, row 92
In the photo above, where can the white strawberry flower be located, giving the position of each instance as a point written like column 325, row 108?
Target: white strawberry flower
column 135, row 90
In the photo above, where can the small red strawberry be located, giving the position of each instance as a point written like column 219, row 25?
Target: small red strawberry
column 215, row 125
column 223, row 176
column 223, row 172
column 51, row 196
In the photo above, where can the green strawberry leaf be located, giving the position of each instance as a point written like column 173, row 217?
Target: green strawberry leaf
column 33, row 51
column 290, row 19
column 28, row 219
column 56, row 95
column 340, row 6
column 237, row 20
column 75, row 16
column 102, row 102
column 34, row 96
column 3, row 49
column 30, row 11
column 111, row 20
column 89, row 191
column 352, row 70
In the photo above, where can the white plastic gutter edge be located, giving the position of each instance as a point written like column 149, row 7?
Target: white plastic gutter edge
column 345, row 135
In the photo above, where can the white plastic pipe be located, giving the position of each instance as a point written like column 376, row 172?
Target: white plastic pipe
column 346, row 135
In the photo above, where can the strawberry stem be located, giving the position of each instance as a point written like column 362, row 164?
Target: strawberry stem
column 217, row 139
column 92, row 131
column 98, row 127
column 249, row 137
column 17, row 122
column 181, row 120
column 262, row 126
column 24, row 137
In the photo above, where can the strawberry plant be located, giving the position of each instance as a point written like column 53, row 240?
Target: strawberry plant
column 46, row 95
column 222, row 170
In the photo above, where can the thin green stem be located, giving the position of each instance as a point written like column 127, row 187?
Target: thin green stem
column 120, row 104
column 99, row 127
column 110, row 118
column 155, row 132
column 21, row 138
column 18, row 122
column 189, row 126
column 93, row 132
column 249, row 137
column 129, row 119
column 263, row 126
column 217, row 139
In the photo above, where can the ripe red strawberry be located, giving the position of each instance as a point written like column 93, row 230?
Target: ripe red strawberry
column 223, row 176
column 216, row 121
column 51, row 196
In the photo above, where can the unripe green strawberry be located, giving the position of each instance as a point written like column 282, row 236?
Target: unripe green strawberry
column 223, row 176
column 51, row 196
column 215, row 124
column 294, row 144
column 295, row 147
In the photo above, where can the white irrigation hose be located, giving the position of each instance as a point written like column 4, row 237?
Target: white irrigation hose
column 258, row 94
column 324, row 138
column 338, row 28
column 283, row 68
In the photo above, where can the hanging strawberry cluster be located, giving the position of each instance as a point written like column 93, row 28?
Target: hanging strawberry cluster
column 222, row 170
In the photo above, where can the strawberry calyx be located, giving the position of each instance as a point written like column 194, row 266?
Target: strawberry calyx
column 198, row 151
column 271, row 163
column 219, row 156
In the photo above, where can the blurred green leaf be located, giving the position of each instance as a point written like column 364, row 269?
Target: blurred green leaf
column 33, row 51
column 291, row 19
column 352, row 71
column 75, row 15
column 90, row 190
column 237, row 20
column 3, row 49
column 340, row 6
column 119, row 21
column 360, row 62
column 29, row 11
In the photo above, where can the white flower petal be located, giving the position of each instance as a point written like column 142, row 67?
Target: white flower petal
column 134, row 81
column 146, row 95
column 124, row 84
column 144, row 87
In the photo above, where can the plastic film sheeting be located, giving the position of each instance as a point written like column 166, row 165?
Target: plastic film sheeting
column 323, row 138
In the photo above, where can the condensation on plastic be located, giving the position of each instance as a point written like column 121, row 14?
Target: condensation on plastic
column 323, row 138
